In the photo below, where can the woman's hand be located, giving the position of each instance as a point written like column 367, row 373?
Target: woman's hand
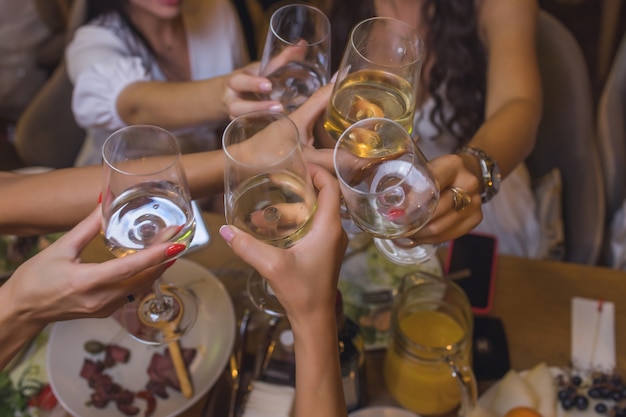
column 304, row 277
column 243, row 89
column 54, row 285
column 448, row 223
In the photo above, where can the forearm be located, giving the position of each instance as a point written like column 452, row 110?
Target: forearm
column 173, row 104
column 319, row 390
column 58, row 200
column 14, row 332
column 508, row 135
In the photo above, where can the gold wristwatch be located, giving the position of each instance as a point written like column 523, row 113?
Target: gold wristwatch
column 490, row 172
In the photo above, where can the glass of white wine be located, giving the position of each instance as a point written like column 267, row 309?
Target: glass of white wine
column 378, row 75
column 268, row 191
column 296, row 55
column 387, row 187
column 145, row 201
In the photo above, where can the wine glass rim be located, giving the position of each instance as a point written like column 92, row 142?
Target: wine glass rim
column 414, row 155
column 175, row 155
column 418, row 40
column 305, row 6
column 278, row 117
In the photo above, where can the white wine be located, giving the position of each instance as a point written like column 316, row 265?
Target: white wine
column 293, row 83
column 393, row 197
column 276, row 208
column 370, row 93
column 150, row 213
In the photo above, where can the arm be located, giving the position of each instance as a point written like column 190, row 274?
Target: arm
column 58, row 200
column 54, row 286
column 305, row 282
column 514, row 101
column 513, row 110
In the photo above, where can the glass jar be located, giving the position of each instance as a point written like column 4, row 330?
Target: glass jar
column 427, row 363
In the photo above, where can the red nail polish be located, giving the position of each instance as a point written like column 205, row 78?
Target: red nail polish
column 170, row 263
column 100, row 198
column 175, row 249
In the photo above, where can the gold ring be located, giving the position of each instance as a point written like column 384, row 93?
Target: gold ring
column 460, row 198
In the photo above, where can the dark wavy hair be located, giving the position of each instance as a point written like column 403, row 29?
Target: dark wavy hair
column 96, row 8
column 458, row 58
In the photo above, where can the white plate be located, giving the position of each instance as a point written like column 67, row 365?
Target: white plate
column 381, row 411
column 486, row 398
column 212, row 335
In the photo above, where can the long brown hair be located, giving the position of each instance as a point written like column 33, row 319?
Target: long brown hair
column 452, row 43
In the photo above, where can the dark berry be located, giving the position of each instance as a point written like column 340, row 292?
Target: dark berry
column 594, row 393
column 564, row 393
column 616, row 395
column 600, row 408
column 581, row 402
column 567, row 403
column 576, row 380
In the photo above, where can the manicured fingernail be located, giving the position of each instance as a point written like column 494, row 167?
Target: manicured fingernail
column 227, row 233
column 265, row 86
column 276, row 107
column 175, row 249
column 170, row 263
column 100, row 198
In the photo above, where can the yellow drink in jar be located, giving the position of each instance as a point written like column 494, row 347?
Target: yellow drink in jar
column 426, row 385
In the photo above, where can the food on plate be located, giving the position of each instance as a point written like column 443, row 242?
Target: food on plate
column 542, row 382
column 161, row 375
column 513, row 391
column 522, row 412
column 521, row 395
column 604, row 392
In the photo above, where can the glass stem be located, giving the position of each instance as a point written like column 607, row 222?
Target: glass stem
column 158, row 304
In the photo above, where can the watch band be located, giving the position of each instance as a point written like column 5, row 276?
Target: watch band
column 490, row 171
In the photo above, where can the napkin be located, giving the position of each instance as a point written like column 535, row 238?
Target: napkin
column 593, row 334
column 269, row 400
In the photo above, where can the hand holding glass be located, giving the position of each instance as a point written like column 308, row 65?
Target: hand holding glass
column 296, row 55
column 386, row 186
column 268, row 191
column 145, row 201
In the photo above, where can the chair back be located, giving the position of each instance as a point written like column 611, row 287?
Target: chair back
column 611, row 137
column 46, row 133
column 565, row 139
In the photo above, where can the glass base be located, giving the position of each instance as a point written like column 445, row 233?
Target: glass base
column 145, row 324
column 263, row 297
column 404, row 255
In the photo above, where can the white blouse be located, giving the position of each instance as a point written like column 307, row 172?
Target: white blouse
column 105, row 56
column 512, row 214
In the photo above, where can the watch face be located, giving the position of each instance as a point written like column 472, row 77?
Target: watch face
column 496, row 178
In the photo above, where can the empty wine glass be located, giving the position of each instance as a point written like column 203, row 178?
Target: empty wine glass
column 378, row 75
column 268, row 191
column 146, row 201
column 387, row 187
column 296, row 54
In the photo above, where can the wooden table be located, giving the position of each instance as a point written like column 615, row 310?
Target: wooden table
column 532, row 298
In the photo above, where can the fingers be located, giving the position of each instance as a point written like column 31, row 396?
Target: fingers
column 244, row 81
column 321, row 157
column 313, row 108
column 77, row 238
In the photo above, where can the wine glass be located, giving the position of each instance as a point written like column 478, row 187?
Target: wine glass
column 146, row 201
column 387, row 187
column 296, row 55
column 378, row 75
column 268, row 191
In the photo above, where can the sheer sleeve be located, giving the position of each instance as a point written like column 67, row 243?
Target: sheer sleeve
column 100, row 66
